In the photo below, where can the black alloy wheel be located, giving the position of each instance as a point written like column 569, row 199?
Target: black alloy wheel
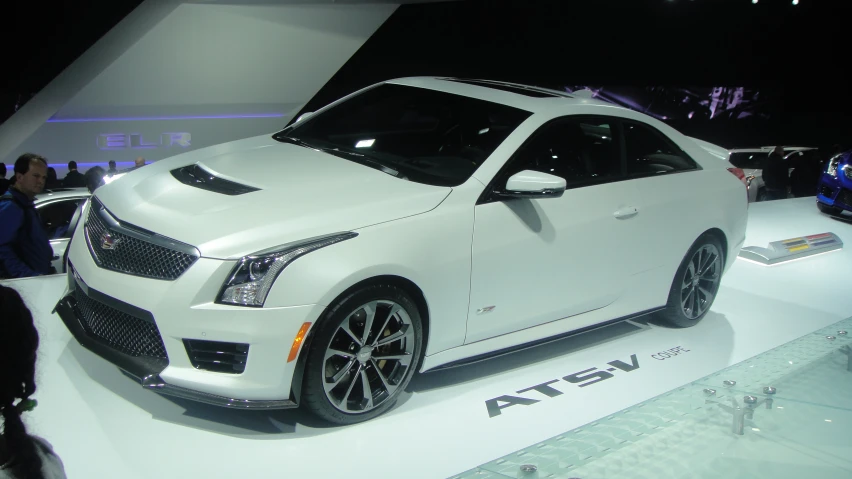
column 696, row 284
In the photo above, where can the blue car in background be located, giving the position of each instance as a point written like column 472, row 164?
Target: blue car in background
column 834, row 192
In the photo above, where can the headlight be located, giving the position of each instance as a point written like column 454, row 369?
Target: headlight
column 254, row 275
column 832, row 166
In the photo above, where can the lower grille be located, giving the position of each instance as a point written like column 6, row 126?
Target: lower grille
column 845, row 197
column 826, row 191
column 126, row 333
column 217, row 356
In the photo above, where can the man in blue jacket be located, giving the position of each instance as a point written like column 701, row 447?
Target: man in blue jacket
column 24, row 246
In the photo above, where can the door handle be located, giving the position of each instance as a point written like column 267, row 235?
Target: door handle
column 626, row 212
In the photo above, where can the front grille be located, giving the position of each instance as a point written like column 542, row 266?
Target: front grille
column 131, row 255
column 217, row 356
column 845, row 197
column 126, row 333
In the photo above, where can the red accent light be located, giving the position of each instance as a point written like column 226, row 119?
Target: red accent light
column 739, row 173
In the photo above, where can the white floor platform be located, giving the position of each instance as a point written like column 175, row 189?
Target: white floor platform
column 104, row 425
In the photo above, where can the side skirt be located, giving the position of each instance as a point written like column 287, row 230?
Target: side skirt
column 533, row 344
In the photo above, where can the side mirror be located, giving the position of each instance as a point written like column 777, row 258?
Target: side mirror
column 304, row 116
column 533, row 184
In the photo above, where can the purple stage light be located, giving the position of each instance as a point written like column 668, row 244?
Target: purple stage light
column 80, row 165
column 156, row 118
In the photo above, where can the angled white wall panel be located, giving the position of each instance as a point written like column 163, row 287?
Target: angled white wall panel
column 201, row 74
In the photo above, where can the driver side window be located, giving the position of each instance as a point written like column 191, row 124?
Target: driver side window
column 581, row 150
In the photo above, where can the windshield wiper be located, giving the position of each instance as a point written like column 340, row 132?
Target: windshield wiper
column 294, row 141
column 363, row 159
column 357, row 157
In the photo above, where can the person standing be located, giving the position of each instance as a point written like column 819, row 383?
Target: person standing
column 22, row 455
column 776, row 176
column 74, row 179
column 24, row 246
column 52, row 180
column 4, row 183
column 112, row 170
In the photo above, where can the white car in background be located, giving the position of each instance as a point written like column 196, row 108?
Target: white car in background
column 415, row 224
column 751, row 161
column 56, row 208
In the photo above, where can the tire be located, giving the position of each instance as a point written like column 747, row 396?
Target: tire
column 689, row 297
column 346, row 380
column 829, row 210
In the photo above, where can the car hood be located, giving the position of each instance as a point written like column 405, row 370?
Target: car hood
column 302, row 193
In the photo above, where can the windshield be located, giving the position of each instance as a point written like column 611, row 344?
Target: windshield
column 421, row 135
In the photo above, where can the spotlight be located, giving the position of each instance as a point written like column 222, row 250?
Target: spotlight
column 754, row 2
column 795, row 2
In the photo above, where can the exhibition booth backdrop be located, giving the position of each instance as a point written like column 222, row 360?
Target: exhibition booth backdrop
column 175, row 76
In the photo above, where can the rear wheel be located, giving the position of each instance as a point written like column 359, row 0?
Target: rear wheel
column 696, row 284
column 363, row 355
column 829, row 210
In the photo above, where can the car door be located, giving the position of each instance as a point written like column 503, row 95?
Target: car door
column 671, row 192
column 56, row 218
column 540, row 260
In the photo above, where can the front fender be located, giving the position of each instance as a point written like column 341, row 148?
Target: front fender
column 432, row 250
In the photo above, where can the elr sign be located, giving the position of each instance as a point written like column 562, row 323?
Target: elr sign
column 135, row 141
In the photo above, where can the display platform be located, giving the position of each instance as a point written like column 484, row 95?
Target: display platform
column 103, row 424
column 784, row 414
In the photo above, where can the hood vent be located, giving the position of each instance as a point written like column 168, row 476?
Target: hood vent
column 194, row 175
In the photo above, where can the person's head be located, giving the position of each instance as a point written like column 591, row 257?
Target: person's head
column 2, row 170
column 779, row 150
column 94, row 178
column 140, row 161
column 30, row 174
column 72, row 165
column 112, row 165
column 51, row 174
column 18, row 347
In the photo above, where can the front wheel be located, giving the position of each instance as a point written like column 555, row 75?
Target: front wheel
column 363, row 354
column 829, row 210
column 696, row 284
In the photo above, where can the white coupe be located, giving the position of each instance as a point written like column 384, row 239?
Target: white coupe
column 415, row 224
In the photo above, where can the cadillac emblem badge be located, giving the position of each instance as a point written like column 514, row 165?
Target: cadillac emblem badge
column 108, row 241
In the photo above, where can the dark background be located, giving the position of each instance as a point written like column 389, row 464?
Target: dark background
column 793, row 55
column 40, row 39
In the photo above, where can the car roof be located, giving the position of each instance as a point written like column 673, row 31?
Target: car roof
column 61, row 193
column 768, row 149
column 525, row 97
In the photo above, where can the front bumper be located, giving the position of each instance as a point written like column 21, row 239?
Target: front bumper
column 836, row 192
column 184, row 309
